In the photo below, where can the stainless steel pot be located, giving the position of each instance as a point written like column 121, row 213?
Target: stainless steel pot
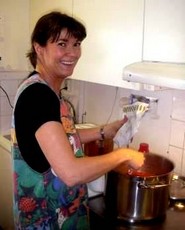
column 142, row 196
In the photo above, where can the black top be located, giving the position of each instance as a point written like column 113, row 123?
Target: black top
column 36, row 105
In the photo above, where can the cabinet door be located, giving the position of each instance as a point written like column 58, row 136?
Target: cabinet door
column 14, row 34
column 114, row 39
column 38, row 8
column 164, row 33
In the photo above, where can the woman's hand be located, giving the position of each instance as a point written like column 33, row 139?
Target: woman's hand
column 136, row 159
column 111, row 129
column 133, row 158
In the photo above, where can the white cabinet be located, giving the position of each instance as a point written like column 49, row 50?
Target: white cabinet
column 114, row 35
column 114, row 39
column 164, row 31
column 14, row 34
column 38, row 8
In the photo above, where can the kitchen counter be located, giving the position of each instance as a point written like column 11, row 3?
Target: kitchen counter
column 174, row 219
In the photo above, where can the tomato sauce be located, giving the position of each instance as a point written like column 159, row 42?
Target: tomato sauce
column 132, row 172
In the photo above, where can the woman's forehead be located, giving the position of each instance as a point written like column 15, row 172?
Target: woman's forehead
column 65, row 34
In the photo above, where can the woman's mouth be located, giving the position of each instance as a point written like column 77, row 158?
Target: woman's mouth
column 68, row 62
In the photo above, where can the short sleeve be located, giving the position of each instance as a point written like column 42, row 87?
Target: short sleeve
column 36, row 105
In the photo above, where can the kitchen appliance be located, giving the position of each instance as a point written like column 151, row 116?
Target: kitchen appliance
column 99, row 219
column 142, row 195
column 163, row 74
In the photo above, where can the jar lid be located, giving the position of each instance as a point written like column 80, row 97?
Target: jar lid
column 144, row 148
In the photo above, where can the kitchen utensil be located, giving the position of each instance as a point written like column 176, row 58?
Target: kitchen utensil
column 177, row 188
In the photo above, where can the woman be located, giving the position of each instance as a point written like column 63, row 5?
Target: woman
column 50, row 170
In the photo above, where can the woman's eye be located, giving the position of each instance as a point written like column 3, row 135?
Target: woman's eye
column 63, row 44
column 77, row 44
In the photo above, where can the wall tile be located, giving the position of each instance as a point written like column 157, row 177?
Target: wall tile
column 177, row 133
column 176, row 155
column 10, row 81
column 10, row 86
column 183, row 163
column 5, row 124
column 5, row 107
column 178, row 106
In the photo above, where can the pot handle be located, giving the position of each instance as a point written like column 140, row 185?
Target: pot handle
column 144, row 185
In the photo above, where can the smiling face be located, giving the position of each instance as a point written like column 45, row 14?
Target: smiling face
column 58, row 58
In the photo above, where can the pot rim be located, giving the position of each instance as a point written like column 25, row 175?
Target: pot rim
column 154, row 166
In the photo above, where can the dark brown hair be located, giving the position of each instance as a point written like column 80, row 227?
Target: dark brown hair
column 50, row 26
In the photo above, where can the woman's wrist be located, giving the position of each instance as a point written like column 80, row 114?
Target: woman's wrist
column 102, row 134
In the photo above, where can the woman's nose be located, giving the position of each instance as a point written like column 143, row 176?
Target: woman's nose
column 71, row 50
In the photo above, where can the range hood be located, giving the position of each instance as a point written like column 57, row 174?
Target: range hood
column 168, row 75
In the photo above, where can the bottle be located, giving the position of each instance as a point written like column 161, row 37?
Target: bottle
column 144, row 148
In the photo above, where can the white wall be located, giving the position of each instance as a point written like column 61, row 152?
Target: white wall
column 9, row 81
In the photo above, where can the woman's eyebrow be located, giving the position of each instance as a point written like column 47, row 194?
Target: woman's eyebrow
column 63, row 39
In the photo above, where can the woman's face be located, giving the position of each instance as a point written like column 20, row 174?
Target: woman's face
column 59, row 58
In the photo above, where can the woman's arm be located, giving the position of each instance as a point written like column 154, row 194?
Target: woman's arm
column 57, row 149
column 109, row 131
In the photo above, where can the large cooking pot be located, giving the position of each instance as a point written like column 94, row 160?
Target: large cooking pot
column 140, row 195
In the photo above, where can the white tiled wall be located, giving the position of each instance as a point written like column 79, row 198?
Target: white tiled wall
column 177, row 134
column 9, row 81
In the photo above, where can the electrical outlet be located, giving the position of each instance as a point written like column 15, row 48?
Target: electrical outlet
column 153, row 107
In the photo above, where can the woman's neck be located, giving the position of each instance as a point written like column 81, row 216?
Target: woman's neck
column 51, row 80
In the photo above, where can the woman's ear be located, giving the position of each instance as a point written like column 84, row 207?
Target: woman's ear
column 38, row 48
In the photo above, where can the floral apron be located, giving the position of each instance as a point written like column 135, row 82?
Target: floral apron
column 41, row 200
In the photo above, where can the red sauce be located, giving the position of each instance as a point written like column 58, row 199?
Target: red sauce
column 132, row 172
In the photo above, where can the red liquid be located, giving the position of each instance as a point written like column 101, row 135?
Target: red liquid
column 132, row 172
